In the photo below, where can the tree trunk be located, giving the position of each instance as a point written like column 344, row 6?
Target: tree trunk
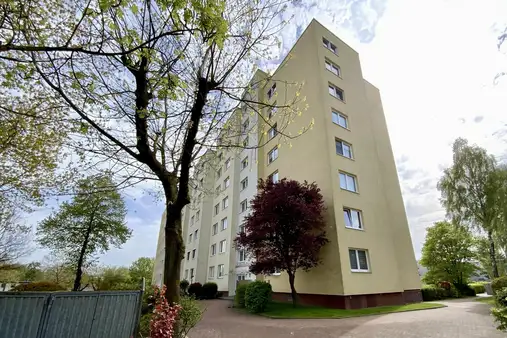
column 292, row 279
column 492, row 254
column 173, row 254
column 79, row 270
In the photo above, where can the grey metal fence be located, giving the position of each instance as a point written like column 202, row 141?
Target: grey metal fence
column 108, row 314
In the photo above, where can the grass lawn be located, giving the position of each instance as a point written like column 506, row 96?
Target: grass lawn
column 486, row 300
column 285, row 310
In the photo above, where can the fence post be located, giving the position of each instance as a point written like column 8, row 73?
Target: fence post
column 139, row 307
column 46, row 311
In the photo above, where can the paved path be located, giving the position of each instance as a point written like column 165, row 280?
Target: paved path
column 462, row 318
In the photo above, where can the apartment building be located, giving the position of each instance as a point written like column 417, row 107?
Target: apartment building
column 345, row 148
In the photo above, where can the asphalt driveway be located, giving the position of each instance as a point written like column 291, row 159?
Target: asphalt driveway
column 463, row 318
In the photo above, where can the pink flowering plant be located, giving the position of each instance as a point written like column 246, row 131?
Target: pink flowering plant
column 164, row 317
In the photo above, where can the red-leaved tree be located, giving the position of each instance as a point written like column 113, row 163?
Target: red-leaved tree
column 285, row 230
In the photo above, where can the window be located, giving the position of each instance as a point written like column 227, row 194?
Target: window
column 244, row 183
column 242, row 228
column 353, row 218
column 343, row 148
column 359, row 260
column 336, row 92
column 211, row 272
column 244, row 205
column 215, row 229
column 192, row 221
column 244, row 163
column 273, row 155
column 340, row 119
column 197, row 215
column 227, row 163
column 245, row 142
column 191, row 273
column 272, row 110
column 188, row 255
column 224, row 223
column 195, row 234
column 273, row 177
column 227, row 182
column 333, row 68
column 272, row 132
column 213, row 249
column 190, row 238
column 329, row 45
column 348, row 182
column 223, row 245
column 186, row 274
column 242, row 255
column 193, row 254
column 272, row 91
column 244, row 126
column 201, row 182
column 219, row 172
column 220, row 270
column 217, row 190
column 217, row 208
column 241, row 277
column 220, row 157
column 225, row 202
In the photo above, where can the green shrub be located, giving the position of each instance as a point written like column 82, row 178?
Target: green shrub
column 239, row 297
column 144, row 326
column 464, row 290
column 188, row 317
column 499, row 283
column 184, row 286
column 195, row 290
column 257, row 296
column 39, row 286
column 432, row 292
column 500, row 310
column 209, row 290
column 478, row 287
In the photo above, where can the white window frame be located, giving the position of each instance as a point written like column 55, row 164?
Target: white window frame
column 272, row 177
column 193, row 253
column 217, row 190
column 222, row 248
column 186, row 274
column 188, row 255
column 227, row 163
column 244, row 163
column 197, row 215
column 219, row 173
column 244, row 183
column 344, row 146
column 273, row 155
column 192, row 221
column 225, row 203
column 195, row 234
column 244, row 125
column 245, row 142
column 221, row 272
column 334, row 90
column 213, row 249
column 272, row 110
column 326, row 43
column 227, row 182
column 333, row 68
column 191, row 273
column 357, row 260
column 214, row 229
column 211, row 272
column 346, row 185
column 348, row 217
column 217, row 209
column 243, row 205
column 242, row 252
column 190, row 238
column 241, row 228
column 272, row 132
column 337, row 119
column 222, row 223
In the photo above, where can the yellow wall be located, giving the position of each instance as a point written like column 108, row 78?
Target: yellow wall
column 313, row 157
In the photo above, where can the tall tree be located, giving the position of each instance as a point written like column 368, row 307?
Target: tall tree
column 285, row 230
column 469, row 191
column 89, row 224
column 154, row 81
column 448, row 253
column 15, row 238
column 484, row 257
column 142, row 268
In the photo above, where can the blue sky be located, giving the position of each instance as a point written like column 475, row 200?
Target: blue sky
column 434, row 62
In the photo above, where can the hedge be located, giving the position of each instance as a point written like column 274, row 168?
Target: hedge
column 432, row 292
column 39, row 286
column 478, row 287
column 195, row 290
column 257, row 296
column 499, row 283
column 209, row 290
column 239, row 297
